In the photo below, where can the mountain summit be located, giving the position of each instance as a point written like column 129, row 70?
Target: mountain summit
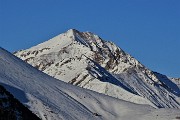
column 86, row 60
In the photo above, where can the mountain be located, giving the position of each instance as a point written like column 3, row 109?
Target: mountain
column 53, row 99
column 86, row 60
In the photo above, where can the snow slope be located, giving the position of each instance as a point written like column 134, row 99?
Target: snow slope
column 85, row 60
column 53, row 99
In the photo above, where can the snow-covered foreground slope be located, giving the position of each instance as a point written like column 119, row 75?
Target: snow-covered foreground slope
column 50, row 98
column 85, row 60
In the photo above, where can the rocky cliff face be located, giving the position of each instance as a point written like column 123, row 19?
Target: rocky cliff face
column 86, row 60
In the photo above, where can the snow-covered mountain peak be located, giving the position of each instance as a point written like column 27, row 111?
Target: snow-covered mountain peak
column 52, row 99
column 66, row 57
column 71, row 32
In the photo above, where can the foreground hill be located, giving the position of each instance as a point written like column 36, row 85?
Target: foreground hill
column 86, row 60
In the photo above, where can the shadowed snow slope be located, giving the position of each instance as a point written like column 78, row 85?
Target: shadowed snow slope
column 53, row 99
column 85, row 60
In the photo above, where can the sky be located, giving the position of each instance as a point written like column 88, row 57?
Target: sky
column 149, row 30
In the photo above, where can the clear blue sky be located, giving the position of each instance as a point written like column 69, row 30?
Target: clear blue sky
column 147, row 29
